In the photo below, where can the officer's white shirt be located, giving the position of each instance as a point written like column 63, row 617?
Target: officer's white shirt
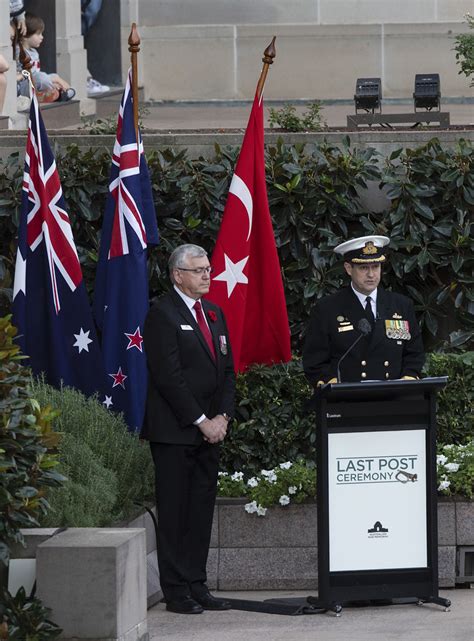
column 362, row 299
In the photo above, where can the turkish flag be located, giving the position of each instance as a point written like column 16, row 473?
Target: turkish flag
column 246, row 281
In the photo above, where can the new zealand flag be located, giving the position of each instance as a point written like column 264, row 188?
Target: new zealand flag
column 50, row 305
column 121, row 290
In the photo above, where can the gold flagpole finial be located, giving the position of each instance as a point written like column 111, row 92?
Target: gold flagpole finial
column 134, row 48
column 268, row 56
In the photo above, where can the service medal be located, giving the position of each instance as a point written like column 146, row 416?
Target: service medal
column 223, row 345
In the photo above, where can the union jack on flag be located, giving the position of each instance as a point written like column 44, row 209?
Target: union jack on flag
column 50, row 305
column 121, row 289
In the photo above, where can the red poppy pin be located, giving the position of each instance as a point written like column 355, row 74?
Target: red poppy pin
column 212, row 315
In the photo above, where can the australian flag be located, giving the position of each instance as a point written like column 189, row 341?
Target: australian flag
column 50, row 305
column 121, row 290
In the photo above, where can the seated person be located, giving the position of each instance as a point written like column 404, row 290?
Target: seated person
column 49, row 86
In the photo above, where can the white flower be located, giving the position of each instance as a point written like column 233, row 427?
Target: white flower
column 270, row 475
column 452, row 467
column 441, row 459
column 251, row 507
column 261, row 511
column 286, row 466
column 253, row 482
column 443, row 485
column 292, row 489
column 448, row 447
column 237, row 476
column 284, row 500
column 223, row 474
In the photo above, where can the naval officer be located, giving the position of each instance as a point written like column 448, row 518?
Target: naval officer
column 391, row 346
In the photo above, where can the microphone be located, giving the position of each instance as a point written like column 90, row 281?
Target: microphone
column 364, row 328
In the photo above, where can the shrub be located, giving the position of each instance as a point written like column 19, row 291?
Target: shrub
column 456, row 400
column 27, row 468
column 108, row 468
column 270, row 424
column 287, row 118
column 464, row 49
column 456, row 469
column 315, row 200
column 27, row 446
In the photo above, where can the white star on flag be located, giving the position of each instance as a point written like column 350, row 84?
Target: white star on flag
column 233, row 274
column 82, row 340
column 108, row 401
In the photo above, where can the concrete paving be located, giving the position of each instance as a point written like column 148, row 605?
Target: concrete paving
column 378, row 623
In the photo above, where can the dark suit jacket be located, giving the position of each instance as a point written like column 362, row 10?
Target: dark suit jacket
column 333, row 328
column 184, row 381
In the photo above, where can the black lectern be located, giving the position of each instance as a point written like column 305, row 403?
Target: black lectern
column 377, row 509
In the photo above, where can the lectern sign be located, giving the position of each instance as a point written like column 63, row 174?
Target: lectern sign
column 377, row 500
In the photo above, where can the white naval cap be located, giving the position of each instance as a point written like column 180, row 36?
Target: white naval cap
column 365, row 249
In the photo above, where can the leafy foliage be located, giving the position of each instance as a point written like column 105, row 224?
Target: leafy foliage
column 431, row 230
column 317, row 196
column 270, row 424
column 287, row 118
column 464, row 49
column 456, row 469
column 27, row 446
column 109, row 470
column 456, row 400
column 25, row 619
column 28, row 460
column 284, row 484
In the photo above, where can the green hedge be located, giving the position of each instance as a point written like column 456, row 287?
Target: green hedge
column 108, row 469
column 314, row 200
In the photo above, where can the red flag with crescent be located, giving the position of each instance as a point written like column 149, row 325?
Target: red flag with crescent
column 247, row 282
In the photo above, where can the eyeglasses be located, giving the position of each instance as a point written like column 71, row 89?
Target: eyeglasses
column 199, row 271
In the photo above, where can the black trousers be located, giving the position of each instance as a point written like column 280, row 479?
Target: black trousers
column 186, row 486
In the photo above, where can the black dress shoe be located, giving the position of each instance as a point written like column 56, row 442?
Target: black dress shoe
column 209, row 602
column 185, row 605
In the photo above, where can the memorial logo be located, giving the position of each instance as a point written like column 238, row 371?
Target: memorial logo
column 378, row 531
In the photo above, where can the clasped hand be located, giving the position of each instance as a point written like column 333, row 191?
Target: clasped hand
column 214, row 430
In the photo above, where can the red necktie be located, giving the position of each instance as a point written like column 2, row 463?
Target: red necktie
column 206, row 332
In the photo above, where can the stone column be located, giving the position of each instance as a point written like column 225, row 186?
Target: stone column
column 71, row 57
column 129, row 12
column 9, row 107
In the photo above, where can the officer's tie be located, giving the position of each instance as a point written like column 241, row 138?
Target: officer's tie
column 368, row 311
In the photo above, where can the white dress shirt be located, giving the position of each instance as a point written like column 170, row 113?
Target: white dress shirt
column 362, row 298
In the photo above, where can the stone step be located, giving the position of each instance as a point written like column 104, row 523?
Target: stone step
column 107, row 104
column 57, row 115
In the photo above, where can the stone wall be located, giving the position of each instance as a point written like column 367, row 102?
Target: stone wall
column 279, row 551
column 211, row 50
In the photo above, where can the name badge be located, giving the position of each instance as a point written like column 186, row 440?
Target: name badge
column 188, row 327
column 345, row 328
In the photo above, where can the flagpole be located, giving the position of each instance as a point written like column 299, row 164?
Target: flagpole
column 134, row 48
column 267, row 60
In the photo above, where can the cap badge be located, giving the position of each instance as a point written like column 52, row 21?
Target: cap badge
column 369, row 248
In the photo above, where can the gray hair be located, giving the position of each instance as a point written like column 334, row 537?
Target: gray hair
column 180, row 255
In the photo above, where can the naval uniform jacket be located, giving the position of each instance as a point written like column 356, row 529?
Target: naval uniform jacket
column 184, row 380
column 393, row 349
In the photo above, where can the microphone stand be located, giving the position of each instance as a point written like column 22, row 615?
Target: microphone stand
column 338, row 370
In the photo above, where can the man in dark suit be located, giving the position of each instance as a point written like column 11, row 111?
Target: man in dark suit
column 190, row 401
column 391, row 346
